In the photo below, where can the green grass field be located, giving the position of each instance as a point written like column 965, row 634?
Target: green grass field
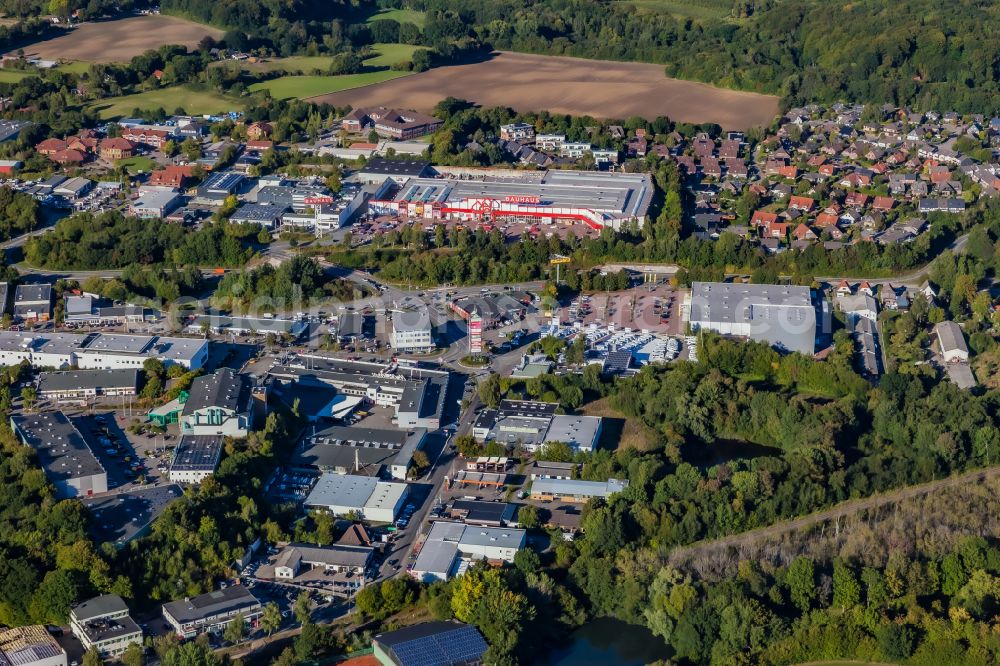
column 192, row 101
column 12, row 75
column 138, row 164
column 287, row 87
column 15, row 75
column 400, row 16
column 74, row 67
column 386, row 55
column 389, row 54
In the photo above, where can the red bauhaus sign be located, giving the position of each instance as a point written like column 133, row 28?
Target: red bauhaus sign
column 521, row 198
column 317, row 200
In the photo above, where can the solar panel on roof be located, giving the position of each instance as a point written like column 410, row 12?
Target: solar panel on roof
column 458, row 646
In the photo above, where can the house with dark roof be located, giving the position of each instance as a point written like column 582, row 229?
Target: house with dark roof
column 219, row 404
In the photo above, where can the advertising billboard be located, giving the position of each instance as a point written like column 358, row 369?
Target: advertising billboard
column 475, row 334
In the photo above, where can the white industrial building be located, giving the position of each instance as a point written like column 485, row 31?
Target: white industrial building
column 99, row 351
column 87, row 384
column 338, row 558
column 63, row 453
column 781, row 315
column 531, row 424
column 365, row 496
column 450, row 546
column 412, row 331
column 596, row 199
column 417, row 394
column 212, row 611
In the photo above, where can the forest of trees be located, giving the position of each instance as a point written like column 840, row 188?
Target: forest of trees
column 927, row 53
column 748, row 438
column 110, row 240
column 19, row 213
column 47, row 561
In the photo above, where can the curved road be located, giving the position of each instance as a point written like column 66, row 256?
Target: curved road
column 838, row 511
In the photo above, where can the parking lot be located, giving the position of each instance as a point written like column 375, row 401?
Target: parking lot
column 131, row 460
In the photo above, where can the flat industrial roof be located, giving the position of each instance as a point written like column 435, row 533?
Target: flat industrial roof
column 779, row 314
column 120, row 344
column 121, row 517
column 436, row 557
column 573, row 430
column 386, row 495
column 578, row 487
column 88, row 379
column 197, row 453
column 106, row 604
column 620, row 195
column 346, row 490
column 62, row 451
column 220, row 602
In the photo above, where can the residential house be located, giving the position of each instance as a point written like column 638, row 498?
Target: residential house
column 260, row 130
column 801, row 203
column 883, row 204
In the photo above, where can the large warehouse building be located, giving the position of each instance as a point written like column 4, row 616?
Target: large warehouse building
column 63, row 453
column 366, row 496
column 596, row 199
column 781, row 315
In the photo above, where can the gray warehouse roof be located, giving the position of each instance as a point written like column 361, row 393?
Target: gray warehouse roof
column 578, row 487
column 225, row 389
column 342, row 490
column 781, row 315
column 950, row 337
column 62, row 450
column 232, row 599
column 88, row 379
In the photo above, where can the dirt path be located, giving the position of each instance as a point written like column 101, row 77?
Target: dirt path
column 839, row 511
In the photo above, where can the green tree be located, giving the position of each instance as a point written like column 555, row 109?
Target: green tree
column 302, row 607
column 801, row 581
column 846, row 589
column 134, row 655
column 489, row 390
column 29, row 396
column 307, row 641
column 236, row 629
column 270, row 619
column 92, row 657
column 527, row 516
